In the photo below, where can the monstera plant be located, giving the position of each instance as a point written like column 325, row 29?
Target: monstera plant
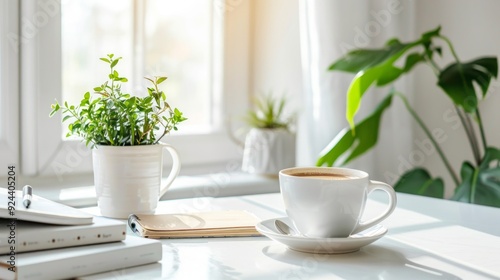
column 466, row 83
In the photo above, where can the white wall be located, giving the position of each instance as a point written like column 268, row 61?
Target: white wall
column 473, row 27
column 275, row 56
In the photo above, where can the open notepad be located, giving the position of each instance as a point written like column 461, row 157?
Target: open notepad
column 41, row 210
column 190, row 225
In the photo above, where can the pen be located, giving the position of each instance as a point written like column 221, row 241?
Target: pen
column 27, row 192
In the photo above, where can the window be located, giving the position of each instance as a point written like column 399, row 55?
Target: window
column 201, row 48
column 9, row 117
column 155, row 37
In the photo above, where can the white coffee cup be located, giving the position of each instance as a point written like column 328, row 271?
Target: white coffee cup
column 327, row 202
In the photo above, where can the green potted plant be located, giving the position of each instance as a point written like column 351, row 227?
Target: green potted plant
column 270, row 144
column 465, row 83
column 125, row 132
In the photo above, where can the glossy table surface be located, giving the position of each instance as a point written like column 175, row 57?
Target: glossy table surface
column 427, row 239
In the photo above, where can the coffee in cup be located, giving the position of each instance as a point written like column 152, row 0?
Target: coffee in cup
column 327, row 202
column 324, row 176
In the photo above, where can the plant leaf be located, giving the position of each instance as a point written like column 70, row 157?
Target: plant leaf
column 458, row 79
column 361, row 59
column 160, row 80
column 113, row 64
column 361, row 82
column 377, row 65
column 358, row 143
column 481, row 185
column 116, row 118
column 419, row 181
column 55, row 107
column 267, row 112
column 490, row 155
column 392, row 72
column 338, row 146
column 427, row 36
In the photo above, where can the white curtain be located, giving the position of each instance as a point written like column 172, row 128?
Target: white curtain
column 329, row 29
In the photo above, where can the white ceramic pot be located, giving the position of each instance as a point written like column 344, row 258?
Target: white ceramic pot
column 128, row 178
column 267, row 151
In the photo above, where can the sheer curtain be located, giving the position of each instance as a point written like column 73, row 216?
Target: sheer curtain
column 328, row 30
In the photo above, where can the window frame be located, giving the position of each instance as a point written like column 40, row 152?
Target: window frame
column 45, row 154
column 9, row 88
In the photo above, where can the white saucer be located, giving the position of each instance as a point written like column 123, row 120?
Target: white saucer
column 321, row 245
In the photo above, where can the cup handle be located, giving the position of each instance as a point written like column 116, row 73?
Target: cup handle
column 176, row 168
column 376, row 185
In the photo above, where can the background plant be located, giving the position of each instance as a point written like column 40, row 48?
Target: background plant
column 112, row 117
column 268, row 113
column 465, row 83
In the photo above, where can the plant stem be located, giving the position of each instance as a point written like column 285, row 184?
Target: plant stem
column 472, row 194
column 428, row 133
column 481, row 128
column 469, row 131
column 474, row 137
column 464, row 118
column 159, row 138
column 76, row 116
column 433, row 65
column 452, row 49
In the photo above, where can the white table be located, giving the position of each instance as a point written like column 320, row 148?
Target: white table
column 427, row 239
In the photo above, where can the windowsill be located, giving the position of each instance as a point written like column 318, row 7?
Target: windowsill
column 82, row 192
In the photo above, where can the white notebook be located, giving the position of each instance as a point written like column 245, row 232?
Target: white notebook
column 41, row 210
column 31, row 236
column 79, row 261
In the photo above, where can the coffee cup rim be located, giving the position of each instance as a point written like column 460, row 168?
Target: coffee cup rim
column 291, row 172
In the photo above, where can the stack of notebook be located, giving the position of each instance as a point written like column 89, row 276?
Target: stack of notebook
column 50, row 240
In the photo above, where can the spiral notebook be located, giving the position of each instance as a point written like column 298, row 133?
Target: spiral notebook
column 192, row 225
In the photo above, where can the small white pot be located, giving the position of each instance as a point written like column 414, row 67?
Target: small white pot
column 128, row 178
column 267, row 151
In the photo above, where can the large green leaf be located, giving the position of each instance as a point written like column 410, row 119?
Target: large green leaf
column 360, row 59
column 427, row 36
column 419, row 181
column 394, row 73
column 361, row 82
column 378, row 66
column 355, row 144
column 458, row 79
column 481, row 185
